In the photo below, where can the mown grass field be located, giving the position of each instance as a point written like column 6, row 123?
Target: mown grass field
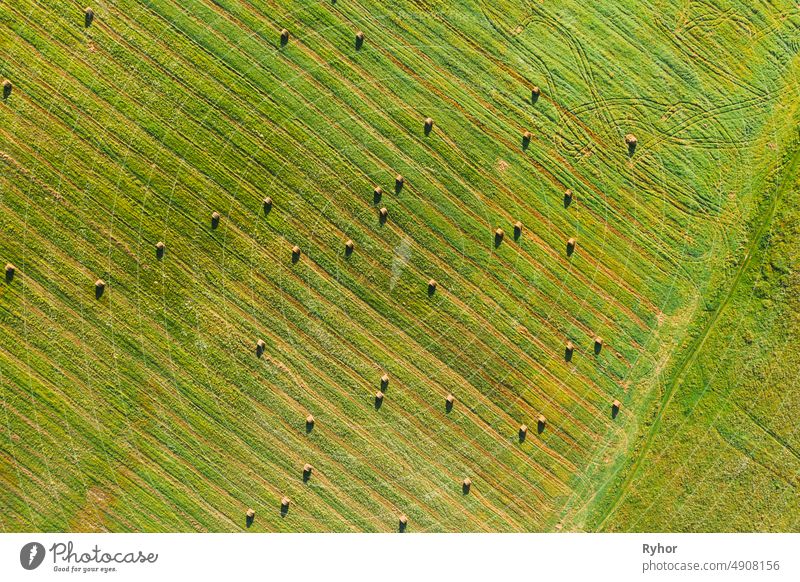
column 148, row 409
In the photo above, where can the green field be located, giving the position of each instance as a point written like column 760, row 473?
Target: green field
column 149, row 408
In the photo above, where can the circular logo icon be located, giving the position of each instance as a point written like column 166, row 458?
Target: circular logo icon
column 31, row 555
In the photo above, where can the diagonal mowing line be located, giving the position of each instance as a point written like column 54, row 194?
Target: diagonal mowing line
column 699, row 342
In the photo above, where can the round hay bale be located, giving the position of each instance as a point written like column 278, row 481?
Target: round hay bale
column 428, row 125
column 498, row 237
column 307, row 470
column 99, row 288
column 527, row 136
column 251, row 513
column 523, row 432
column 10, row 272
column 215, row 216
column 7, row 88
column 267, row 205
column 630, row 140
column 431, row 286
column 160, row 249
column 567, row 197
column 295, row 253
column 260, row 347
column 384, row 381
column 399, row 182
column 285, row 503
column 571, row 246
column 377, row 194
column 402, row 523
column 378, row 399
column 88, row 17
column 349, row 246
column 569, row 348
column 517, row 229
column 448, row 402
column 465, row 485
column 383, row 214
column 284, row 37
column 535, row 92
column 541, row 423
column 359, row 40
column 310, row 419
column 616, row 404
column 598, row 344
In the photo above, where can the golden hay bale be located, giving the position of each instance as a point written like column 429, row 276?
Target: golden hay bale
column 383, row 214
column 88, row 17
column 284, row 37
column 260, row 347
column 448, row 402
column 399, row 182
column 285, row 503
column 428, row 125
column 215, row 216
column 630, row 140
column 498, row 237
column 377, row 193
column 616, row 404
column 310, row 419
column 307, row 470
column 251, row 513
column 267, row 205
column 10, row 271
column 7, row 87
column 359, row 40
column 160, row 249
column 431, row 286
column 384, row 381
column 517, row 229
column 523, row 432
column 541, row 423
column 378, row 399
column 571, row 246
column 402, row 523
column 99, row 287
column 598, row 344
column 568, row 351
column 295, row 253
column 349, row 246
column 535, row 92
column 465, row 485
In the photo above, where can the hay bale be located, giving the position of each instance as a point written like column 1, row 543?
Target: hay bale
column 260, row 347
column 448, row 402
column 10, row 271
column 378, row 399
column 526, row 140
column 160, row 250
column 541, row 423
column 383, row 214
column 568, row 351
column 465, row 485
column 399, row 182
column 535, row 92
column 631, row 142
column 402, row 523
column 384, row 382
column 99, row 288
column 88, row 17
column 517, row 230
column 284, row 505
column 348, row 247
column 598, row 344
column 284, row 37
column 267, row 205
column 377, row 194
column 428, row 125
column 567, row 198
column 251, row 513
column 523, row 432
column 215, row 216
column 498, row 237
column 7, row 88
column 359, row 40
column 431, row 286
column 295, row 253
column 307, row 470
column 571, row 246
column 615, row 406
column 310, row 422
